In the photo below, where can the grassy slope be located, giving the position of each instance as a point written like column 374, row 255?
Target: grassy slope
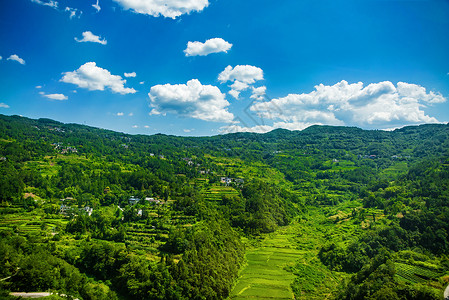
column 285, row 264
column 265, row 276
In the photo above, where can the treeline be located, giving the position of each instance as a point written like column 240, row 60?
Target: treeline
column 30, row 265
column 261, row 208
column 211, row 257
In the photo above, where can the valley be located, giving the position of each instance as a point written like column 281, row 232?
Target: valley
column 323, row 213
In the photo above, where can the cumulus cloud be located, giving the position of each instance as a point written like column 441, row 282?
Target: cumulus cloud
column 194, row 100
column 242, row 77
column 120, row 114
column 3, row 105
column 259, row 93
column 214, row 45
column 378, row 105
column 414, row 91
column 246, row 74
column 59, row 97
column 16, row 58
column 166, row 8
column 132, row 74
column 233, row 128
column 88, row 36
column 94, row 78
column 238, row 87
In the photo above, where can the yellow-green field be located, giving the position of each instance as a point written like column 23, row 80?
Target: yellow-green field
column 288, row 259
column 265, row 275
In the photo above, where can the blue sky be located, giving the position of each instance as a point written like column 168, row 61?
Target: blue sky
column 204, row 67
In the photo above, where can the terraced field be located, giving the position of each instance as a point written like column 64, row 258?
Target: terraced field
column 26, row 222
column 216, row 192
column 265, row 276
column 288, row 259
column 415, row 274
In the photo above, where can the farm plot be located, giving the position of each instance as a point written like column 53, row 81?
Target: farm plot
column 265, row 276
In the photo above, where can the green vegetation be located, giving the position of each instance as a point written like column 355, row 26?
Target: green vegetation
column 325, row 213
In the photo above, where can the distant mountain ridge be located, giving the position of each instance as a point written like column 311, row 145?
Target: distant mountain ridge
column 428, row 138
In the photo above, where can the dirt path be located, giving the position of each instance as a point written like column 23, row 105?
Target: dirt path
column 30, row 295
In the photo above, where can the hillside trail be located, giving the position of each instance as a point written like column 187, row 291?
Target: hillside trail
column 264, row 276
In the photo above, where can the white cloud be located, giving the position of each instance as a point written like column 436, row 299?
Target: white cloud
column 3, row 105
column 187, row 130
column 245, row 74
column 130, row 114
column 135, row 126
column 1, row 58
column 16, row 58
column 132, row 74
column 142, row 82
column 94, row 78
column 88, row 36
column 97, row 6
column 166, row 8
column 242, row 76
column 237, row 128
column 119, row 114
column 259, row 93
column 56, row 97
column 204, row 102
column 378, row 105
column 50, row 3
column 238, row 87
column 59, row 97
column 146, row 126
column 73, row 12
column 38, row 86
column 418, row 92
column 214, row 45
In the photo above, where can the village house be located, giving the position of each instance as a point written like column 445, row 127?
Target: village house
column 229, row 180
column 133, row 200
column 88, row 210
column 152, row 200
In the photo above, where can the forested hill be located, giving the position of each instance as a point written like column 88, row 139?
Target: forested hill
column 416, row 141
column 98, row 214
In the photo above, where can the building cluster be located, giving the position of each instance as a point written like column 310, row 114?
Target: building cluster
column 66, row 209
column 229, row 180
column 57, row 129
column 135, row 200
column 64, row 150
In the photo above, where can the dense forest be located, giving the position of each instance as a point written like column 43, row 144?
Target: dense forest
column 89, row 213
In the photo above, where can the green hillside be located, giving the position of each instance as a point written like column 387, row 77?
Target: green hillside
column 323, row 213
